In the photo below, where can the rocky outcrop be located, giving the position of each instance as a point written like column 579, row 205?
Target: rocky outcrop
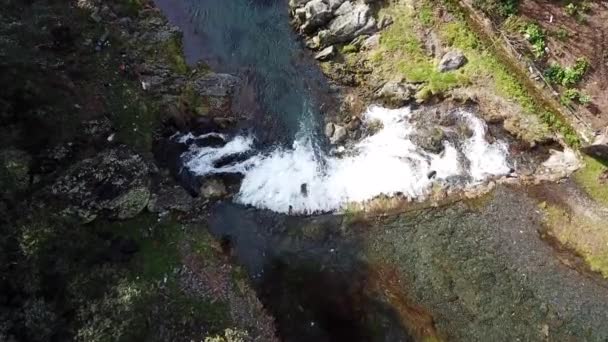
column 396, row 93
column 452, row 60
column 333, row 21
column 337, row 134
column 115, row 183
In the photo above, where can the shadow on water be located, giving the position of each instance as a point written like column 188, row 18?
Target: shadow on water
column 310, row 275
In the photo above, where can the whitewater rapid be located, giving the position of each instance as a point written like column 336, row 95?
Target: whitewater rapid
column 299, row 180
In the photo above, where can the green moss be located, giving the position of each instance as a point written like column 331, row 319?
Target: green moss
column 157, row 241
column 587, row 236
column 406, row 55
column 599, row 263
column 172, row 51
column 349, row 48
column 588, row 179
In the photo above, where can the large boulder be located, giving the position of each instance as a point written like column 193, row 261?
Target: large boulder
column 351, row 20
column 396, row 93
column 451, row 61
column 429, row 139
column 316, row 14
column 115, row 183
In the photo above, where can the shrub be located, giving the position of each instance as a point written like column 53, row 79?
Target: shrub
column 574, row 95
column 568, row 76
column 537, row 37
column 498, row 9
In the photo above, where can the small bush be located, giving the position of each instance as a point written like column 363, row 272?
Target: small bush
column 574, row 96
column 568, row 76
column 498, row 9
column 537, row 37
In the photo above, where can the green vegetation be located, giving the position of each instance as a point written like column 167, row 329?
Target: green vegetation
column 349, row 48
column 584, row 234
column 404, row 53
column 574, row 95
column 568, row 76
column 589, row 179
column 401, row 51
column 171, row 51
column 562, row 34
column 578, row 10
column 497, row 9
column 537, row 38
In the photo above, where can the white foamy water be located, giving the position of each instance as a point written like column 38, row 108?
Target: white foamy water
column 387, row 162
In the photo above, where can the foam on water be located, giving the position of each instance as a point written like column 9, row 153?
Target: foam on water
column 387, row 162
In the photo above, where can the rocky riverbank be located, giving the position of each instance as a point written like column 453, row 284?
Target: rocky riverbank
column 98, row 241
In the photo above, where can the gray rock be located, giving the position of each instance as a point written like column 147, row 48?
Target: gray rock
column 452, row 60
column 326, row 53
column 429, row 139
column 385, row 22
column 114, row 183
column 170, row 198
column 329, row 130
column 371, row 42
column 339, row 135
column 216, row 85
column 213, row 188
column 334, row 4
column 396, row 93
column 316, row 13
column 432, row 45
column 351, row 20
column 293, row 4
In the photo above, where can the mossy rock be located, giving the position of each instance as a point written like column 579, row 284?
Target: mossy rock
column 14, row 170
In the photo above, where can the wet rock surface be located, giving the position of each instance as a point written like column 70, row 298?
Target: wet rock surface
column 455, row 262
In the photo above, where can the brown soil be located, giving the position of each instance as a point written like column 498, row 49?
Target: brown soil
column 587, row 37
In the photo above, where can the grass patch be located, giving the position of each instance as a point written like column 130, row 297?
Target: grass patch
column 402, row 52
column 483, row 62
column 172, row 51
column 157, row 241
column 586, row 236
column 588, row 179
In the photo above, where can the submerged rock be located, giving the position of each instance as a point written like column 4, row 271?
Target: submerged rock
column 213, row 188
column 452, row 60
column 115, row 183
column 429, row 139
